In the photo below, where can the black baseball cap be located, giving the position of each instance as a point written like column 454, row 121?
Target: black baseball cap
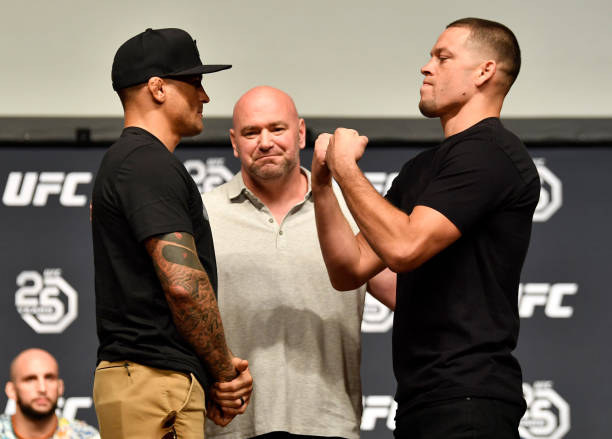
column 158, row 52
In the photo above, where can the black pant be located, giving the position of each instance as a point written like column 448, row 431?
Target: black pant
column 285, row 435
column 464, row 418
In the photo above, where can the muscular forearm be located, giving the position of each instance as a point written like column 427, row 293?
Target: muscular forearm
column 342, row 252
column 196, row 316
column 192, row 302
column 385, row 228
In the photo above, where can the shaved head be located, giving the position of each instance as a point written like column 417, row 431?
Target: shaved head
column 35, row 384
column 253, row 100
column 32, row 355
column 267, row 135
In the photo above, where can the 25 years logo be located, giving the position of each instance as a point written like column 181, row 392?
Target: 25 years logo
column 210, row 174
column 376, row 316
column 46, row 301
column 547, row 415
column 551, row 192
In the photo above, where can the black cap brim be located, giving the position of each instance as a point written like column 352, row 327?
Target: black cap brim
column 201, row 70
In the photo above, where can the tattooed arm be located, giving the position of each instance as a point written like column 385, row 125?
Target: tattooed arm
column 192, row 300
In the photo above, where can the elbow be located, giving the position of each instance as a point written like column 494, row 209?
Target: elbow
column 179, row 293
column 345, row 284
column 343, row 278
column 403, row 258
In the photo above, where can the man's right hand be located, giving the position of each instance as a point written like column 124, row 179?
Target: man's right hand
column 215, row 414
column 320, row 174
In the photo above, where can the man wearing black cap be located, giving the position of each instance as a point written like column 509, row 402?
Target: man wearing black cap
column 161, row 336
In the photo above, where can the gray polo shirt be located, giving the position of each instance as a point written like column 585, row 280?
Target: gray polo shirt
column 302, row 337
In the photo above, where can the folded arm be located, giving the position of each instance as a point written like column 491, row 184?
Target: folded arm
column 400, row 241
column 349, row 259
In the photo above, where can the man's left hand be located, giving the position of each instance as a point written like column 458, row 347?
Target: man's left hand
column 233, row 397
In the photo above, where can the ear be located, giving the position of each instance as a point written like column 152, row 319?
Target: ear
column 302, row 133
column 60, row 387
column 233, row 140
column 484, row 72
column 157, row 89
column 10, row 390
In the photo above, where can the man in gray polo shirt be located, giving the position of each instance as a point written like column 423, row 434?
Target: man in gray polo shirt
column 302, row 337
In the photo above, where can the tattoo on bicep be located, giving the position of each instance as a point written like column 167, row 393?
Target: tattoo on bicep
column 181, row 238
column 181, row 256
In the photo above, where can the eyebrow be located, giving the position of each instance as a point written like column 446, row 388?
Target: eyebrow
column 47, row 375
column 256, row 127
column 439, row 50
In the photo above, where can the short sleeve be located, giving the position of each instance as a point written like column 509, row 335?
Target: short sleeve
column 394, row 193
column 473, row 178
column 153, row 193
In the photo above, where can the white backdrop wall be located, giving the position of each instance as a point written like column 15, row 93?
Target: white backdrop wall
column 335, row 57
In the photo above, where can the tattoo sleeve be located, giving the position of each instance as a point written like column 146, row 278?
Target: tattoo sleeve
column 191, row 300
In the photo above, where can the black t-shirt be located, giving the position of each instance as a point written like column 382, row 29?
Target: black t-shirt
column 456, row 319
column 142, row 190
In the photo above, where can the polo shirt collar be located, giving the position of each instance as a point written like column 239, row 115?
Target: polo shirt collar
column 237, row 188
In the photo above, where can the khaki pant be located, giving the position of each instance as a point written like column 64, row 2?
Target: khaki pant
column 132, row 401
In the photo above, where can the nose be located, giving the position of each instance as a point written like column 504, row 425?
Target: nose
column 42, row 385
column 203, row 96
column 426, row 69
column 265, row 138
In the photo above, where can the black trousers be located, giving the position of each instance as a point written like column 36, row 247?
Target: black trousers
column 464, row 418
column 285, row 435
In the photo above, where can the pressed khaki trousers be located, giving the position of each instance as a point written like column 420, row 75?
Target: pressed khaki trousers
column 138, row 402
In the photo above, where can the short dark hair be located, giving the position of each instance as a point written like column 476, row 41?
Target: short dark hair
column 498, row 38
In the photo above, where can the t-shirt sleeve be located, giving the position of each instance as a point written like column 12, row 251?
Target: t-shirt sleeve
column 473, row 179
column 153, row 194
column 394, row 194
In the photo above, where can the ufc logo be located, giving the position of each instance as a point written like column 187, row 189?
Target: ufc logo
column 33, row 188
column 549, row 296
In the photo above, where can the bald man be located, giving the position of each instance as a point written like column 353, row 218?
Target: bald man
column 302, row 337
column 35, row 386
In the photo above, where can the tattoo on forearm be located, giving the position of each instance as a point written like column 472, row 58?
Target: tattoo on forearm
column 192, row 300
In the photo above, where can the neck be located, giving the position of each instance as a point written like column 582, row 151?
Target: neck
column 156, row 125
column 470, row 114
column 279, row 194
column 26, row 428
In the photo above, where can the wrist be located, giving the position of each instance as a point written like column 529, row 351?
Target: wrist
column 344, row 170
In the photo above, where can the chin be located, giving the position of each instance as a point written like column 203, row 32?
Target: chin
column 192, row 131
column 36, row 413
column 428, row 110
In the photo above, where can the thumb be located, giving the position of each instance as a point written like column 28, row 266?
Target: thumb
column 242, row 365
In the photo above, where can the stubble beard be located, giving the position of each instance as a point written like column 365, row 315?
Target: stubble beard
column 36, row 415
column 267, row 172
column 193, row 129
column 427, row 108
